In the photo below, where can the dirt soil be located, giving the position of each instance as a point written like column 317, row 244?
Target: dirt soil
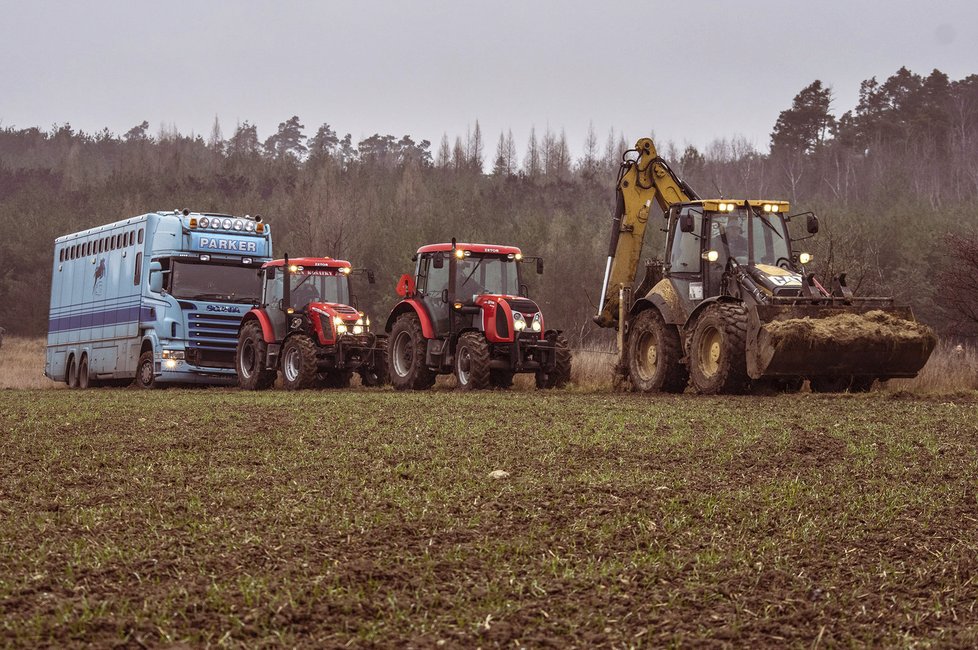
column 856, row 329
column 368, row 518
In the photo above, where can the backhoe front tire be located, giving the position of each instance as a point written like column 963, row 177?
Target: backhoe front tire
column 406, row 355
column 655, row 353
column 299, row 363
column 249, row 359
column 718, row 352
column 561, row 373
column 472, row 361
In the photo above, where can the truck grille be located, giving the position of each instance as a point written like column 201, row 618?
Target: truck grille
column 214, row 337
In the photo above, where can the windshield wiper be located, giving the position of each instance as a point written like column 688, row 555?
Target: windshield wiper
column 474, row 269
column 771, row 226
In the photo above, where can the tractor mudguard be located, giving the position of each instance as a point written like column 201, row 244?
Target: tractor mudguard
column 427, row 329
column 266, row 324
column 663, row 297
column 700, row 308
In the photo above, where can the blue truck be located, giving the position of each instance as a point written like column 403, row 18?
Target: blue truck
column 155, row 299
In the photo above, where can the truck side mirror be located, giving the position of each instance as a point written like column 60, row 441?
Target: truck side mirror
column 371, row 278
column 438, row 261
column 156, row 277
column 539, row 266
column 812, row 224
column 686, row 222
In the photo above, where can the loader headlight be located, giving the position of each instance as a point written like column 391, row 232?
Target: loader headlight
column 805, row 258
column 519, row 322
column 711, row 256
column 537, row 324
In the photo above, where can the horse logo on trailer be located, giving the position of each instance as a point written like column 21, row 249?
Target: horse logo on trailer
column 99, row 287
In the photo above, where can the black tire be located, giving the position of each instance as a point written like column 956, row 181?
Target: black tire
column 655, row 355
column 145, row 371
column 776, row 386
column 299, row 369
column 718, row 350
column 71, row 373
column 249, row 359
column 830, row 384
column 500, row 378
column 377, row 374
column 560, row 375
column 334, row 379
column 861, row 384
column 406, row 354
column 472, row 361
column 84, row 379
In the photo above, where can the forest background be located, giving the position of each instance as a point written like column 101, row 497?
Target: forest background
column 894, row 181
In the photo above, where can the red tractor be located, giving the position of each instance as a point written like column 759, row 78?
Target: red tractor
column 465, row 311
column 307, row 329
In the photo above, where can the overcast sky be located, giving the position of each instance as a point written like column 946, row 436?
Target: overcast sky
column 688, row 70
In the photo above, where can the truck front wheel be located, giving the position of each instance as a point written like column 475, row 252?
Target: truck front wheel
column 145, row 371
column 407, row 348
column 249, row 359
column 299, row 363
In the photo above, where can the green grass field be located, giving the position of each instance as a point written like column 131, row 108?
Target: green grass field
column 369, row 518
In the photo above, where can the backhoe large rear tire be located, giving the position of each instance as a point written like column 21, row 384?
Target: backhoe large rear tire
column 299, row 363
column 249, row 359
column 561, row 373
column 717, row 350
column 654, row 355
column 472, row 361
column 406, row 355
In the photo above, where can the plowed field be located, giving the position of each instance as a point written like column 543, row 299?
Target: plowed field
column 369, row 518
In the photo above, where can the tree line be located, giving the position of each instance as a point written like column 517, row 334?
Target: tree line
column 894, row 181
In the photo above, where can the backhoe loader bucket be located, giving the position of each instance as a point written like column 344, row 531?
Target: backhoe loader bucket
column 854, row 340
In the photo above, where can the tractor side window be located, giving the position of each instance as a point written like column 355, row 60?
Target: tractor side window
column 686, row 246
column 273, row 284
column 437, row 279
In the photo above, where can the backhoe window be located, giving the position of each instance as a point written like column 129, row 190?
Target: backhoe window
column 729, row 232
column 686, row 247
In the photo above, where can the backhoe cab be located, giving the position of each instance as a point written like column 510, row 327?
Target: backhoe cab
column 465, row 311
column 306, row 328
column 734, row 305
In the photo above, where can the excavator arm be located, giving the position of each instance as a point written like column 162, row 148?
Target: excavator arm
column 644, row 177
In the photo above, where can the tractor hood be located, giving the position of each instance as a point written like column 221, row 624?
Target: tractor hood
column 516, row 303
column 776, row 280
column 333, row 309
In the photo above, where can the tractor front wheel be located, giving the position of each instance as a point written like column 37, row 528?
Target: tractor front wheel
column 299, row 363
column 250, row 359
column 406, row 352
column 472, row 361
column 561, row 372
column 655, row 354
column 718, row 350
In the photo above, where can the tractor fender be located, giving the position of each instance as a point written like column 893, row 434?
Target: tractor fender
column 700, row 308
column 406, row 306
column 266, row 324
column 663, row 297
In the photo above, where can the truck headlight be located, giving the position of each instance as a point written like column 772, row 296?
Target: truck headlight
column 537, row 324
column 174, row 354
column 519, row 323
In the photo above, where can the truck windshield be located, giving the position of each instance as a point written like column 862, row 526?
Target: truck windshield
column 320, row 286
column 729, row 232
column 480, row 274
column 215, row 282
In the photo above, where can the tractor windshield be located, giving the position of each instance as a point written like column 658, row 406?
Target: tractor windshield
column 728, row 232
column 215, row 282
column 321, row 285
column 482, row 274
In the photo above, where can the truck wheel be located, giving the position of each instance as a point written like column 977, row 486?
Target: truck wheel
column 406, row 352
column 472, row 361
column 71, row 374
column 560, row 375
column 299, row 363
column 654, row 354
column 84, row 379
column 249, row 359
column 718, row 352
column 335, row 379
column 830, row 384
column 145, row 371
column 377, row 374
column 499, row 378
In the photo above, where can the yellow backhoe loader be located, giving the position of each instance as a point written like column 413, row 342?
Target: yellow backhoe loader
column 733, row 307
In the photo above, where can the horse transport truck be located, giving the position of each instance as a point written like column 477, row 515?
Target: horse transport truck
column 154, row 299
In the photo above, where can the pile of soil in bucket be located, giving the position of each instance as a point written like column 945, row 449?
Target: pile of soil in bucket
column 849, row 328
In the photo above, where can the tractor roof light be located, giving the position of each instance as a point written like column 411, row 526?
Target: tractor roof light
column 459, row 253
column 519, row 256
column 293, row 268
column 345, row 270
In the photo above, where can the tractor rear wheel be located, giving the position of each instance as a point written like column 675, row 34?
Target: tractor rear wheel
column 717, row 350
column 250, row 359
column 377, row 374
column 561, row 373
column 406, row 352
column 655, row 354
column 499, row 378
column 299, row 363
column 472, row 361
